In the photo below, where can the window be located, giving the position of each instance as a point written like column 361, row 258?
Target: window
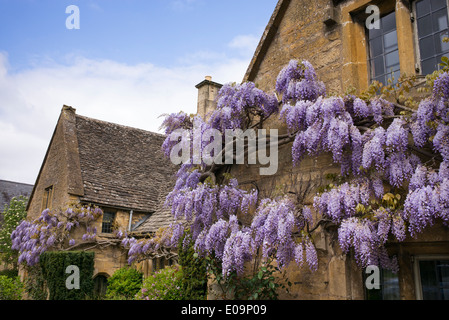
column 432, row 278
column 108, row 222
column 389, row 287
column 47, row 199
column 383, row 50
column 431, row 29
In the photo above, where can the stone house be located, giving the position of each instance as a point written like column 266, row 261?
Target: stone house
column 334, row 37
column 120, row 169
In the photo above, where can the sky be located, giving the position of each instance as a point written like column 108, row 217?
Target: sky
column 129, row 62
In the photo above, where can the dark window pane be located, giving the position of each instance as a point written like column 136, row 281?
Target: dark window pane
column 438, row 4
column 429, row 66
column 390, row 283
column 440, row 45
column 108, row 222
column 432, row 29
column 384, row 49
column 428, row 280
column 392, row 61
column 388, row 22
column 424, row 26
column 422, row 8
column 389, row 287
column 434, row 279
column 443, row 277
column 378, row 66
column 376, row 47
column 391, row 41
column 427, row 47
column 373, row 33
column 439, row 20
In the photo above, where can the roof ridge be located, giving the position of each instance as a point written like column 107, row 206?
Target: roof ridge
column 119, row 125
column 21, row 183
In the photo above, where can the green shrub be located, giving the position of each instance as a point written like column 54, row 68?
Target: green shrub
column 10, row 288
column 163, row 285
column 34, row 283
column 124, row 284
column 54, row 265
column 10, row 273
column 194, row 279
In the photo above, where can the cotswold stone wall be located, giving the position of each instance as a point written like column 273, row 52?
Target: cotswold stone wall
column 333, row 39
column 301, row 34
column 54, row 171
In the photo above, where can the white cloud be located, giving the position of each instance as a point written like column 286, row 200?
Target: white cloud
column 246, row 44
column 133, row 95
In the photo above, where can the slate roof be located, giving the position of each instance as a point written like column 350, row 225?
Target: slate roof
column 161, row 218
column 122, row 167
column 10, row 189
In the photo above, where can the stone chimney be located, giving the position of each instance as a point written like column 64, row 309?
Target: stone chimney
column 207, row 93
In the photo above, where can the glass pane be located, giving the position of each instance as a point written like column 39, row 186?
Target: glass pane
column 428, row 280
column 376, row 47
column 390, row 283
column 388, row 22
column 438, row 4
column 108, row 217
column 443, row 278
column 429, row 66
column 439, row 20
column 391, row 41
column 373, row 33
column 422, row 8
column 427, row 47
column 424, row 26
column 378, row 66
column 440, row 46
column 392, row 61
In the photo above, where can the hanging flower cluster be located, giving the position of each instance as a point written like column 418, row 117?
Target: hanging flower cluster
column 235, row 102
column 376, row 158
column 51, row 230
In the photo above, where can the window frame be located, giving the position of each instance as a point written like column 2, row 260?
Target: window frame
column 112, row 212
column 418, row 65
column 370, row 60
column 417, row 274
column 47, row 199
column 381, row 290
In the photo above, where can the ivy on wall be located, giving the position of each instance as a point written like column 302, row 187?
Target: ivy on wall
column 54, row 266
column 194, row 280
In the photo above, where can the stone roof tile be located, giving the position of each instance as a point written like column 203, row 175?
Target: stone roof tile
column 122, row 167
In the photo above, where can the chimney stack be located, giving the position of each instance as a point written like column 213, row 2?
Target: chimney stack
column 207, row 93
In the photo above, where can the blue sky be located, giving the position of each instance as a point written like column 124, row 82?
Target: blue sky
column 130, row 61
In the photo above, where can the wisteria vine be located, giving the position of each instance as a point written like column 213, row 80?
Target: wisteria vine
column 377, row 146
column 389, row 191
